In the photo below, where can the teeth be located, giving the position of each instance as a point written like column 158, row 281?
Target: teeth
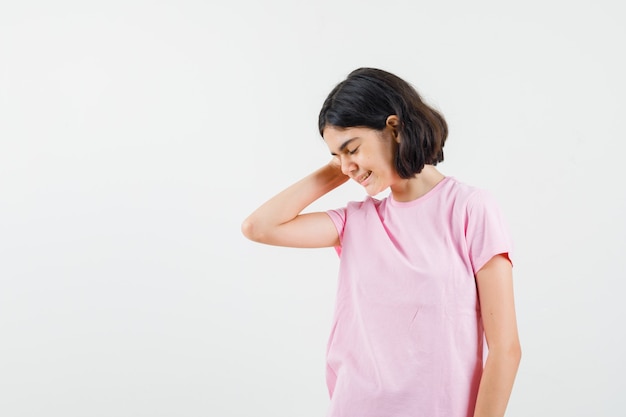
column 366, row 176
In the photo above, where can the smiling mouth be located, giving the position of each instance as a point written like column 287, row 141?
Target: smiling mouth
column 363, row 177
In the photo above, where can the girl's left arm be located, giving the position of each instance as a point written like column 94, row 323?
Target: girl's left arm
column 495, row 292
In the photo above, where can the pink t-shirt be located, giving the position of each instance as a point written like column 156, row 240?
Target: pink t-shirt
column 407, row 336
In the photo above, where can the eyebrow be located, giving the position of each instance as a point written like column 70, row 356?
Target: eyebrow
column 343, row 145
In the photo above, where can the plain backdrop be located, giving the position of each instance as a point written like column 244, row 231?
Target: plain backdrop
column 135, row 136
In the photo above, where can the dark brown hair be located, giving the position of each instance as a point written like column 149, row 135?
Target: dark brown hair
column 368, row 96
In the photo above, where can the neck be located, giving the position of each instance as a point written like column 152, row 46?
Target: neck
column 414, row 188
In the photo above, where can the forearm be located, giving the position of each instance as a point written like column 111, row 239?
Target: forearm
column 496, row 383
column 289, row 203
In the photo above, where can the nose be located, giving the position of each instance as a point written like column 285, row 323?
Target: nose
column 347, row 165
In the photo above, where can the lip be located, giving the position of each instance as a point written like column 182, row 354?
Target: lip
column 364, row 179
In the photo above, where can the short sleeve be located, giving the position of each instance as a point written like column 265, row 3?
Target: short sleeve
column 338, row 216
column 486, row 231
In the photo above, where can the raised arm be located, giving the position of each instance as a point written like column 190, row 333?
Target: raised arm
column 279, row 221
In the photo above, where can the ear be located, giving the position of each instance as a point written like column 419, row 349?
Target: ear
column 393, row 124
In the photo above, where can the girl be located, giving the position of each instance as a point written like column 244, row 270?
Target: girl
column 425, row 273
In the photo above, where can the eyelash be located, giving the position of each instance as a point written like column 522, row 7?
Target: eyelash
column 354, row 151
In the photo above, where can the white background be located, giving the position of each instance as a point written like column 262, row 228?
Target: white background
column 136, row 136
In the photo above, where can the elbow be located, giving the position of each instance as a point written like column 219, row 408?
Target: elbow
column 510, row 353
column 514, row 353
column 251, row 230
column 247, row 228
column 519, row 353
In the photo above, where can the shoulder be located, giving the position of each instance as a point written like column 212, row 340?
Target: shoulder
column 367, row 203
column 465, row 202
column 355, row 209
column 466, row 194
column 459, row 188
column 458, row 195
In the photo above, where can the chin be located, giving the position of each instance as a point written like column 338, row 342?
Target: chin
column 372, row 192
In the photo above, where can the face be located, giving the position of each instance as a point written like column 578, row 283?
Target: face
column 366, row 155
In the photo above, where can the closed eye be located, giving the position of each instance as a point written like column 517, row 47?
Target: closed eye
column 352, row 152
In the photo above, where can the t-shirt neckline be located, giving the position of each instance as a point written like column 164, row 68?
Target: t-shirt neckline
column 419, row 200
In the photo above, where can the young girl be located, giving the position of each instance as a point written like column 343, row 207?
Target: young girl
column 425, row 273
